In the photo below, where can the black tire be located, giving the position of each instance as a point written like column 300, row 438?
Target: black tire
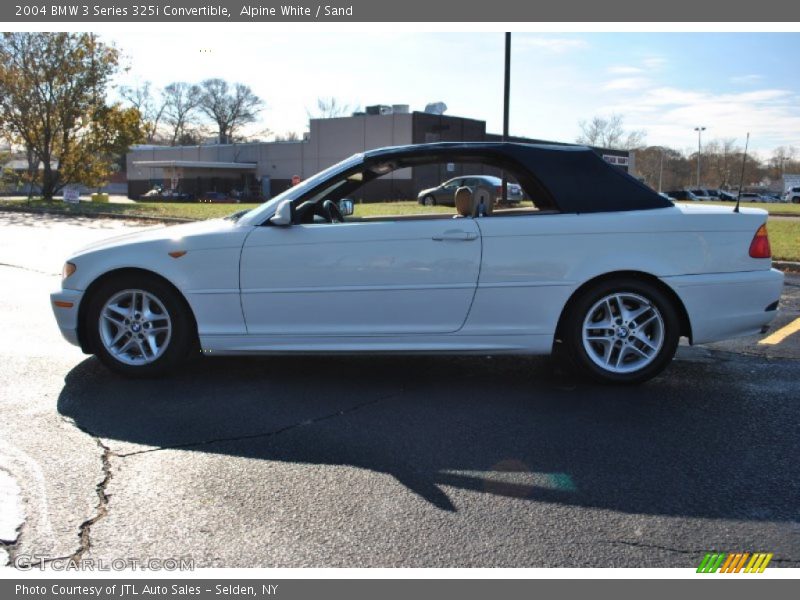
column 182, row 342
column 572, row 346
column 796, row 200
column 429, row 201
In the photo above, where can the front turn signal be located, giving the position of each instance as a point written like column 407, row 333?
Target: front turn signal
column 68, row 270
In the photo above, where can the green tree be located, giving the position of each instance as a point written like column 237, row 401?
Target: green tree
column 53, row 100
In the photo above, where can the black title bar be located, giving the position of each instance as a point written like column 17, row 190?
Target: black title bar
column 354, row 11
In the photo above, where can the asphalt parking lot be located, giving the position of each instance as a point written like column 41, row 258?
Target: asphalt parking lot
column 393, row 461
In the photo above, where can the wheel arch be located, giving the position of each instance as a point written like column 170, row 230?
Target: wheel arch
column 122, row 272
column 683, row 315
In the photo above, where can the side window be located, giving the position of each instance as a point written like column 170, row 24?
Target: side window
column 453, row 185
column 416, row 190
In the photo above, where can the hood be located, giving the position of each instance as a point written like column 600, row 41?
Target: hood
column 197, row 234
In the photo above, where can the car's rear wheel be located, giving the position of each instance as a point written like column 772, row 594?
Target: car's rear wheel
column 621, row 331
column 138, row 325
column 429, row 201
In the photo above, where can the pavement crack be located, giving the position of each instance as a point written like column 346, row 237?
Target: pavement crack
column 266, row 434
column 693, row 551
column 101, row 510
column 655, row 547
column 85, row 529
column 24, row 268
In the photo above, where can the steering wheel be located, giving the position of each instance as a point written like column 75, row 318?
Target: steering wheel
column 332, row 212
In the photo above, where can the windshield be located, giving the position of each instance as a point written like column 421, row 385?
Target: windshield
column 257, row 215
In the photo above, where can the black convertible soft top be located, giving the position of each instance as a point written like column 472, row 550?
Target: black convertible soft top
column 570, row 179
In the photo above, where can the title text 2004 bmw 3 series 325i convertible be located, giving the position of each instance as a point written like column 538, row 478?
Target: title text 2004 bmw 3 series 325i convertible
column 597, row 267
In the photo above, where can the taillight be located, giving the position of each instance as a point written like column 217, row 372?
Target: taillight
column 759, row 247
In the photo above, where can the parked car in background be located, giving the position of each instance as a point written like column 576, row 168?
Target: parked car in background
column 713, row 194
column 151, row 194
column 727, row 196
column 601, row 271
column 166, row 195
column 684, row 196
column 444, row 194
column 217, row 198
column 752, row 197
column 792, row 195
column 701, row 194
column 666, row 196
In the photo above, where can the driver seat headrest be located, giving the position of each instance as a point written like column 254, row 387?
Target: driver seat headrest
column 465, row 202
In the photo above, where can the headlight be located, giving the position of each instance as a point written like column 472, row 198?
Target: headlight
column 68, row 270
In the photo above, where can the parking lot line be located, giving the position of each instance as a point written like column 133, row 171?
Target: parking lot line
column 782, row 333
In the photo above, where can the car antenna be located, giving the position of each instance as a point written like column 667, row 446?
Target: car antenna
column 741, row 178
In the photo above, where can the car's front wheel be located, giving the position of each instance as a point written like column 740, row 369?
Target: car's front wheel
column 138, row 326
column 429, row 201
column 621, row 331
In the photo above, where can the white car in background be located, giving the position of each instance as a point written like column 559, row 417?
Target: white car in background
column 792, row 195
column 600, row 269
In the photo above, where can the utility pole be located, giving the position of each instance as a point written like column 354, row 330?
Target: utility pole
column 699, row 129
column 506, row 95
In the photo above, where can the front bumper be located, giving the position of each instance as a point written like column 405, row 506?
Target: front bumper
column 65, row 305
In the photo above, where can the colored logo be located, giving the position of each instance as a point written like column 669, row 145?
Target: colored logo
column 721, row 562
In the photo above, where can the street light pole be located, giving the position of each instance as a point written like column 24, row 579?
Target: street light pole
column 699, row 129
column 506, row 95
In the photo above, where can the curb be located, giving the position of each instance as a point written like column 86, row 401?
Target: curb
column 787, row 265
column 97, row 215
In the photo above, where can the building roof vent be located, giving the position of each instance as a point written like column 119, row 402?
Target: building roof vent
column 436, row 108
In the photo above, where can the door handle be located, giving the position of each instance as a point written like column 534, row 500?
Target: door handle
column 455, row 235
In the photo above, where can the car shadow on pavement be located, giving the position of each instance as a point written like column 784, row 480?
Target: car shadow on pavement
column 697, row 441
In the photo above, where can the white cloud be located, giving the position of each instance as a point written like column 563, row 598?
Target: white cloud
column 670, row 114
column 654, row 62
column 626, row 84
column 625, row 70
column 750, row 79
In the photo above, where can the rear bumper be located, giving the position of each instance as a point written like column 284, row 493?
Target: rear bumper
column 65, row 305
column 727, row 305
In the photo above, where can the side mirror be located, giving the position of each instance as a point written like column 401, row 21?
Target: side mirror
column 283, row 214
column 346, row 206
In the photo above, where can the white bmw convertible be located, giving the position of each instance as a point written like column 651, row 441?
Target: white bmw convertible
column 598, row 268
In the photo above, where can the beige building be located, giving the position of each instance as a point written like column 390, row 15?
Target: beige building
column 263, row 169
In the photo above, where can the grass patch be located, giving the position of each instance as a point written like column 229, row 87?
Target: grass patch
column 773, row 208
column 784, row 235
column 180, row 210
column 784, row 238
column 405, row 207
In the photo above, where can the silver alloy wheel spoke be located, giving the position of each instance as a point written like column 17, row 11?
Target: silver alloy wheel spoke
column 135, row 327
column 623, row 332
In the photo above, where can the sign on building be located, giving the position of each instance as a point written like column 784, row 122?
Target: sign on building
column 613, row 159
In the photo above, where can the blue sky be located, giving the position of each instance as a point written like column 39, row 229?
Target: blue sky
column 664, row 83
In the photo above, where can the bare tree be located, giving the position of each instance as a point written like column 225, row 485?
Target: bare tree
column 609, row 133
column 181, row 101
column 151, row 109
column 330, row 107
column 721, row 166
column 229, row 107
column 289, row 136
column 784, row 159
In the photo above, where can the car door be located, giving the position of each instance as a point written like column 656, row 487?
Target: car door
column 404, row 276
